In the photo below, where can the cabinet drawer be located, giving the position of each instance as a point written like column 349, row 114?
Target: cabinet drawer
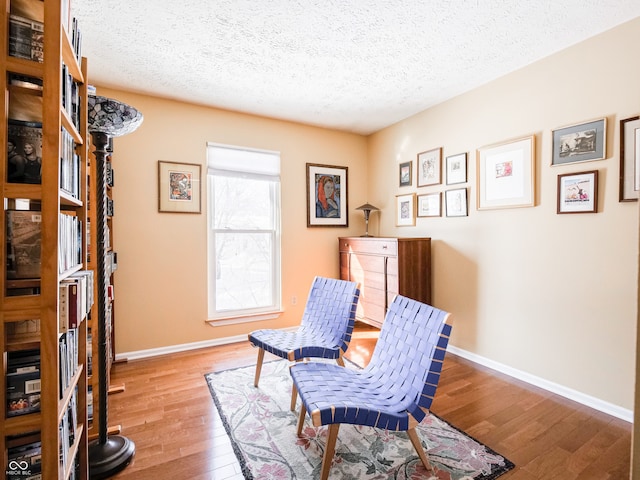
column 372, row 246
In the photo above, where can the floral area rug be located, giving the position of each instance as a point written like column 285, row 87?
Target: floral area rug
column 263, row 434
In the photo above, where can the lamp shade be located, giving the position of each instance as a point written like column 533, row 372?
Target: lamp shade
column 367, row 206
column 112, row 117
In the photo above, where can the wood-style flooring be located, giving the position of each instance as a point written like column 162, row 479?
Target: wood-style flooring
column 167, row 411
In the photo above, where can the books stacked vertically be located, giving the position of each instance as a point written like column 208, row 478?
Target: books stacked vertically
column 24, row 160
column 75, row 299
column 69, row 165
column 68, row 354
column 23, row 243
column 23, row 382
column 67, row 431
column 71, row 96
column 69, row 241
column 26, row 38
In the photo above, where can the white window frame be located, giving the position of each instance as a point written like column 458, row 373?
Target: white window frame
column 223, row 160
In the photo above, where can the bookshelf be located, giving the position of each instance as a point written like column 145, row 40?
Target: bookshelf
column 44, row 242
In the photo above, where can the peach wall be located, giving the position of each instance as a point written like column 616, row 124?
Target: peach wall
column 161, row 281
column 550, row 295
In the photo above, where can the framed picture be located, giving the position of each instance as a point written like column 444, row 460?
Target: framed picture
column 580, row 143
column 405, row 174
column 578, row 192
column 630, row 159
column 406, row 210
column 327, row 196
column 506, row 174
column 178, row 187
column 456, row 201
column 429, row 205
column 456, row 166
column 429, row 167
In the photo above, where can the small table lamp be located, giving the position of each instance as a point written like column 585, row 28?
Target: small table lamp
column 108, row 454
column 367, row 208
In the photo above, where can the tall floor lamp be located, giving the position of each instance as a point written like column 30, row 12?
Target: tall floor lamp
column 108, row 454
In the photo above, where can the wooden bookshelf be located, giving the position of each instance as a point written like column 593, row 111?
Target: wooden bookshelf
column 24, row 302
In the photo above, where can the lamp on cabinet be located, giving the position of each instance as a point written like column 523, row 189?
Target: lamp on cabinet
column 107, row 118
column 367, row 208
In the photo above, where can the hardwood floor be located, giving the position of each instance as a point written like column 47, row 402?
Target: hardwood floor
column 167, row 410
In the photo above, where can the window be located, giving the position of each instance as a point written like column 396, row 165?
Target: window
column 244, row 231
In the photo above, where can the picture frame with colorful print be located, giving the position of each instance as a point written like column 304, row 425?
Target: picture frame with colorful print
column 327, row 196
column 406, row 210
column 581, row 142
column 506, row 174
column 405, row 171
column 578, row 192
column 429, row 167
column 179, row 187
column 456, row 202
column 429, row 205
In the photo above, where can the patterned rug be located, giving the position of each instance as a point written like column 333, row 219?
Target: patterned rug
column 263, row 435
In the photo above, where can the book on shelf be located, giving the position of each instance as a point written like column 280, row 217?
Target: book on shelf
column 24, row 152
column 23, row 382
column 23, row 243
column 75, row 299
column 26, row 38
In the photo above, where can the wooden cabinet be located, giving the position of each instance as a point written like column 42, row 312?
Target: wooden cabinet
column 385, row 267
column 44, row 89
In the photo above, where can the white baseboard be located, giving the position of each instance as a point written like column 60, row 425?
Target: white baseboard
column 592, row 402
column 589, row 401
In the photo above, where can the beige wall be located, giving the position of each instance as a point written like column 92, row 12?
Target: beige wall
column 550, row 295
column 161, row 281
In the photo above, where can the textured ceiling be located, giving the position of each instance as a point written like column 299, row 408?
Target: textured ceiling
column 357, row 65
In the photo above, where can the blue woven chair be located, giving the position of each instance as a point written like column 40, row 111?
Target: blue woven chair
column 394, row 391
column 325, row 329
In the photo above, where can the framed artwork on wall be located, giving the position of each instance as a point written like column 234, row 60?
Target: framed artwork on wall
column 327, row 196
column 456, row 167
column 578, row 192
column 630, row 159
column 429, row 205
column 456, row 202
column 506, row 174
column 429, row 166
column 178, row 187
column 580, row 143
column 405, row 174
column 406, row 210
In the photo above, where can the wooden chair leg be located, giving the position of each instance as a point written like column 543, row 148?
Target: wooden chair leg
column 413, row 436
column 329, row 450
column 294, row 397
column 258, row 366
column 303, row 412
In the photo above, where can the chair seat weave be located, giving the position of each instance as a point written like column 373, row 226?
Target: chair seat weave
column 399, row 381
column 326, row 326
column 296, row 345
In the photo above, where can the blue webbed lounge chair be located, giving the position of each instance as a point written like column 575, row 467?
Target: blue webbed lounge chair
column 324, row 332
column 394, row 391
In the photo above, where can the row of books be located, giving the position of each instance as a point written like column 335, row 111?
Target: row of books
column 75, row 299
column 67, row 430
column 69, row 241
column 68, row 351
column 71, row 97
column 69, row 165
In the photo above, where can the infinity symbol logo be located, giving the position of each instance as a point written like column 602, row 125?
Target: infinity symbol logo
column 16, row 465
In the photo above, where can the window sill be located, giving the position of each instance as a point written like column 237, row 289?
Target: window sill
column 222, row 321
